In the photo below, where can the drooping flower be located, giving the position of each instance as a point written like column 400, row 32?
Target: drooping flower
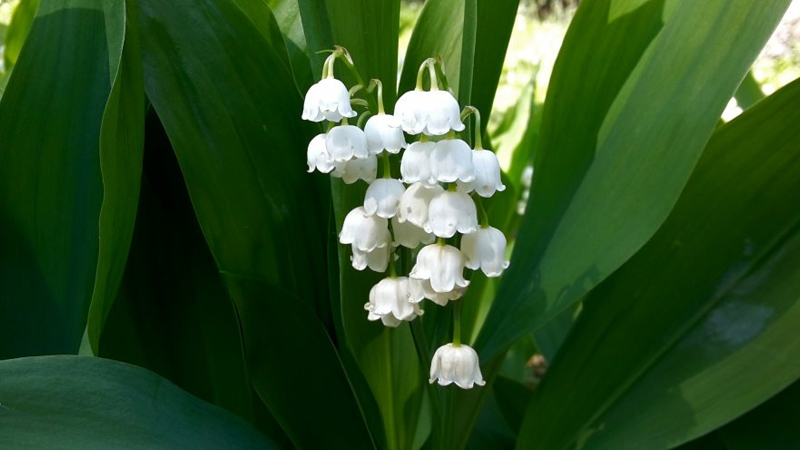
column 383, row 196
column 414, row 203
column 456, row 364
column 433, row 112
column 378, row 259
column 443, row 265
column 357, row 169
column 318, row 156
column 390, row 301
column 366, row 233
column 423, row 289
column 486, row 250
column 415, row 167
column 451, row 160
column 451, row 212
column 384, row 133
column 327, row 99
column 346, row 142
column 487, row 174
column 409, row 235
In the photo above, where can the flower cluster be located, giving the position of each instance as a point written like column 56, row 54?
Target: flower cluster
column 430, row 211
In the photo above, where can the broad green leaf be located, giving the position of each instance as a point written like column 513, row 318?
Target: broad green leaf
column 712, row 295
column 173, row 314
column 368, row 29
column 317, row 31
column 296, row 352
column 17, row 31
column 241, row 146
column 610, row 165
column 50, row 181
column 437, row 32
column 287, row 14
column 94, row 403
column 121, row 141
column 775, row 425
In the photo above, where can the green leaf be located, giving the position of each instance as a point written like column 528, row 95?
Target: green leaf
column 121, row 142
column 241, row 146
column 94, row 403
column 296, row 352
column 173, row 314
column 610, row 166
column 287, row 14
column 712, row 295
column 775, row 425
column 17, row 31
column 50, row 181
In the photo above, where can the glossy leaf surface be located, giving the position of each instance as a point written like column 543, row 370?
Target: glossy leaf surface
column 95, row 403
column 720, row 297
column 601, row 189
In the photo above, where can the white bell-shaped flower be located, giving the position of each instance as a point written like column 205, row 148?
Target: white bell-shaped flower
column 390, row 301
column 357, row 169
column 318, row 156
column 422, row 289
column 486, row 250
column 443, row 265
column 487, row 174
column 456, row 364
column 383, row 196
column 415, row 202
column 409, row 235
column 384, row 133
column 377, row 260
column 416, row 163
column 327, row 99
column 346, row 142
column 366, row 233
column 451, row 160
column 432, row 112
column 451, row 212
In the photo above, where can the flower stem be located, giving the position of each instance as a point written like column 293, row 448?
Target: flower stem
column 387, row 165
column 477, row 114
column 456, row 323
column 481, row 211
column 430, row 64
column 377, row 82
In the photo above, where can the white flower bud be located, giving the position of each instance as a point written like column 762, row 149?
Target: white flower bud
column 318, row 156
column 443, row 265
column 416, row 163
column 327, row 100
column 456, row 364
column 383, row 132
column 451, row 160
column 487, row 175
column 409, row 235
column 365, row 232
column 346, row 142
column 390, row 301
column 452, row 212
column 415, row 202
column 383, row 196
column 423, row 289
column 486, row 250
column 357, row 169
column 430, row 112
